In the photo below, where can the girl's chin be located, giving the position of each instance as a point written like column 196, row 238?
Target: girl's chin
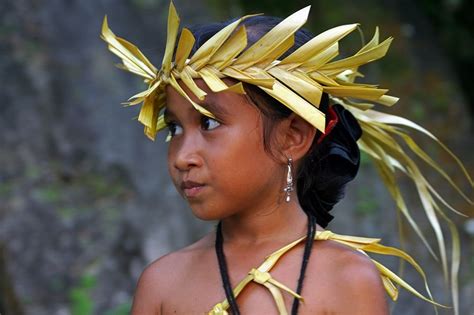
column 207, row 215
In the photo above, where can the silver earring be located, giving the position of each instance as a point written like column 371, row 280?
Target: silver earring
column 289, row 180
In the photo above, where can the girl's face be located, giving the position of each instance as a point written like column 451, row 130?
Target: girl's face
column 220, row 166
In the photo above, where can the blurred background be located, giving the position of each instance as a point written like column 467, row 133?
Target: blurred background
column 85, row 198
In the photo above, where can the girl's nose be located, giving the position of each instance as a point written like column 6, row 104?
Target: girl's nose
column 188, row 154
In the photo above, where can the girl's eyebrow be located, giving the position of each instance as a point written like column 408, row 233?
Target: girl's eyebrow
column 168, row 113
column 209, row 104
column 215, row 108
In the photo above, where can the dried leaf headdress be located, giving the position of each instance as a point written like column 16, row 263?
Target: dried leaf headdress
column 297, row 81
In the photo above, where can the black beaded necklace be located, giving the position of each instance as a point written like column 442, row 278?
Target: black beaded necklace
column 311, row 231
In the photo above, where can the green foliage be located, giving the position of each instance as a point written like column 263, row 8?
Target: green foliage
column 470, row 275
column 32, row 172
column 100, row 186
column 454, row 27
column 69, row 212
column 396, row 67
column 417, row 110
column 48, row 193
column 5, row 189
column 91, row 185
column 6, row 30
column 81, row 302
column 365, row 159
column 366, row 203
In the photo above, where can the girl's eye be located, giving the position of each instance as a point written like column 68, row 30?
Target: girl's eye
column 208, row 123
column 174, row 129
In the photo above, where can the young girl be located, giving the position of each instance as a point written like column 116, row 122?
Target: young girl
column 263, row 139
column 222, row 169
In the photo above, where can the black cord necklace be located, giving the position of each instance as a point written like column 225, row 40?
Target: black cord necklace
column 225, row 274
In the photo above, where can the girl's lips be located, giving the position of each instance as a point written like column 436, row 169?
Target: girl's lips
column 191, row 189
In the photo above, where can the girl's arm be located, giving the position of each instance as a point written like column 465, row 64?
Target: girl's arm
column 147, row 298
column 362, row 288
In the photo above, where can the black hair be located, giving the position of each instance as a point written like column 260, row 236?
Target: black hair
column 329, row 165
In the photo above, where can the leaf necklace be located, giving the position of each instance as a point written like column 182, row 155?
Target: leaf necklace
column 225, row 274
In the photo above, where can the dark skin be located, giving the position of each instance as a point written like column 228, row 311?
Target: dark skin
column 222, row 169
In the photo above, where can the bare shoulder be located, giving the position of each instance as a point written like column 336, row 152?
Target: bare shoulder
column 351, row 276
column 351, row 264
column 163, row 274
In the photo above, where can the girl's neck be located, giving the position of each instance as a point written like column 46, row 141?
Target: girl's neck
column 283, row 222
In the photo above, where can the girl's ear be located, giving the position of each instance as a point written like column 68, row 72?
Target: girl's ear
column 295, row 137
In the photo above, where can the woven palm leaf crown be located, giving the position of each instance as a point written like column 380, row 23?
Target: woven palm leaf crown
column 297, row 81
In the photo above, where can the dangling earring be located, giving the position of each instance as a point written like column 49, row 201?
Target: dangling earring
column 289, row 180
